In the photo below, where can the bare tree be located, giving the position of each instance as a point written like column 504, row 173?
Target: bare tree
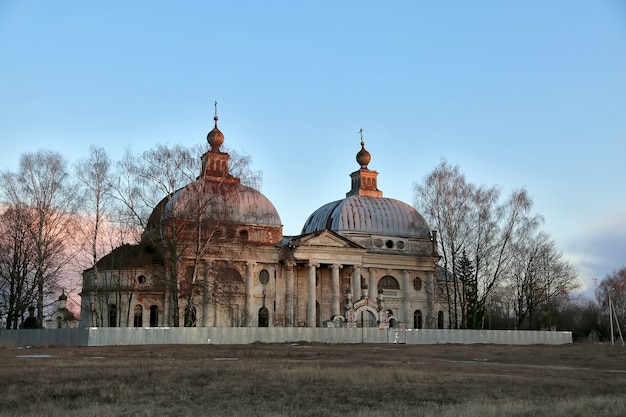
column 498, row 229
column 17, row 251
column 202, row 219
column 183, row 215
column 93, row 174
column 613, row 286
column 164, row 171
column 43, row 185
column 472, row 221
column 446, row 201
column 541, row 281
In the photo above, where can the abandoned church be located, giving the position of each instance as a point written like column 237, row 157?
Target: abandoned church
column 213, row 255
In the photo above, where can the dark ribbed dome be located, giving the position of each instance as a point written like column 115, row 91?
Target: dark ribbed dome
column 384, row 216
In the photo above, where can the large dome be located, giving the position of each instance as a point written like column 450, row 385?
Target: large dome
column 235, row 204
column 371, row 215
column 218, row 198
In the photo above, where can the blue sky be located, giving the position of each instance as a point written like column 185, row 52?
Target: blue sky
column 518, row 93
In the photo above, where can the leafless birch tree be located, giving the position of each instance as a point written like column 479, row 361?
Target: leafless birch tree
column 94, row 178
column 472, row 221
column 42, row 185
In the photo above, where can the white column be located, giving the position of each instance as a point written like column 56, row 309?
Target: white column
column 249, row 278
column 206, row 288
column 289, row 290
column 336, row 307
column 430, row 316
column 310, row 313
column 406, row 302
column 166, row 318
column 373, row 285
column 356, row 284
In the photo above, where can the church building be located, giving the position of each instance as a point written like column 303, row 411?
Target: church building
column 213, row 254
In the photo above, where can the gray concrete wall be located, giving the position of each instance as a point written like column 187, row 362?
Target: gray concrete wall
column 246, row 335
column 44, row 337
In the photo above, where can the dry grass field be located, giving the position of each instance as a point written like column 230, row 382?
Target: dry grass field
column 314, row 380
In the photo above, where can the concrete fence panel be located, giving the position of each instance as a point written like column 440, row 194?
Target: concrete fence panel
column 247, row 335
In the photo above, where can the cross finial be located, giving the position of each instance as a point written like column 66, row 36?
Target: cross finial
column 216, row 109
column 361, row 133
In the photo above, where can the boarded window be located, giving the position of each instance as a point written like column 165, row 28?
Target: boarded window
column 264, row 317
column 112, row 315
column 417, row 319
column 154, row 316
column 138, row 316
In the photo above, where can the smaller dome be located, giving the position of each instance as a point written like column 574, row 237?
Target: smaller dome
column 359, row 214
column 215, row 137
column 363, row 158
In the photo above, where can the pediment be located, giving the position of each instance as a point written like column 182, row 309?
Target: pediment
column 326, row 239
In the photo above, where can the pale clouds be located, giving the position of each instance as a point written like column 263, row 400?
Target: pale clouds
column 598, row 249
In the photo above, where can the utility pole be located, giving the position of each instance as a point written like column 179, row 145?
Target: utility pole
column 619, row 329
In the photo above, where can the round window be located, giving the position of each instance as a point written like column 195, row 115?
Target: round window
column 141, row 279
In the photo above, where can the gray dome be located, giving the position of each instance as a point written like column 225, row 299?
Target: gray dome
column 384, row 216
column 242, row 205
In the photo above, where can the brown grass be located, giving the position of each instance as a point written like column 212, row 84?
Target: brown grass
column 315, row 380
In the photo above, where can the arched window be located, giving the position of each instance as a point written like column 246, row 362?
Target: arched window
column 154, row 316
column 388, row 283
column 138, row 316
column 243, row 235
column 417, row 319
column 264, row 317
column 112, row 315
column 59, row 322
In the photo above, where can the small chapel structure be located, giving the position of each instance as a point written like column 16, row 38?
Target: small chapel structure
column 213, row 254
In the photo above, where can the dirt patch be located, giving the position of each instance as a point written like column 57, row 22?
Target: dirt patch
column 312, row 379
